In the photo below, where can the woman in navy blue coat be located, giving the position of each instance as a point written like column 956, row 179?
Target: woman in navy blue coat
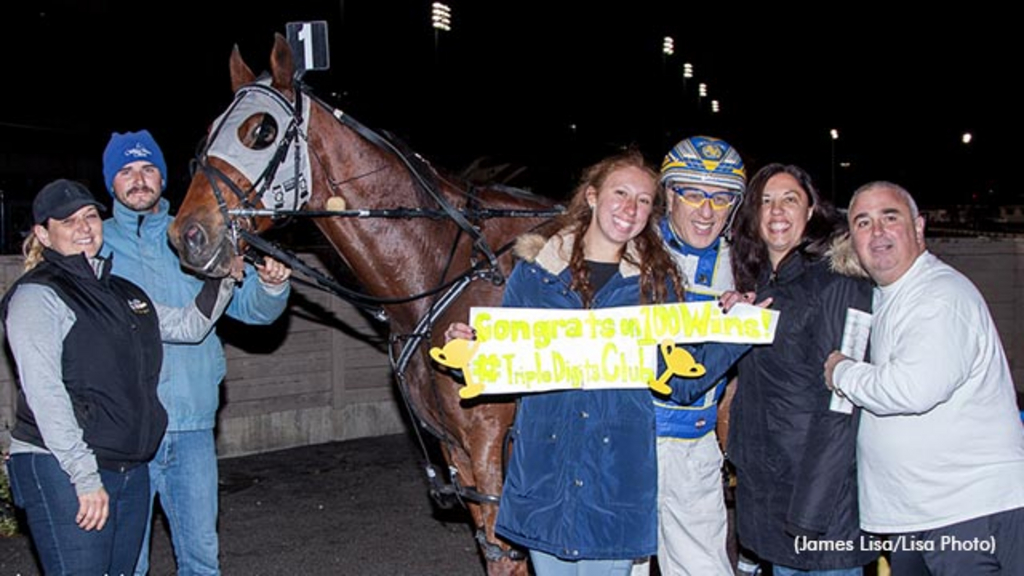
column 580, row 491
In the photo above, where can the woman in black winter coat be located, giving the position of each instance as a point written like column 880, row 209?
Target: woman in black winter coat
column 796, row 501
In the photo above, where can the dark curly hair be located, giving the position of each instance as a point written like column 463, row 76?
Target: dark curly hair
column 749, row 251
column 656, row 265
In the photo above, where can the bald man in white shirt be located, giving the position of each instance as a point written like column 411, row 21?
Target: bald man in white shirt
column 940, row 450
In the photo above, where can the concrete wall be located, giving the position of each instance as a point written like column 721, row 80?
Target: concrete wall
column 321, row 373
column 996, row 266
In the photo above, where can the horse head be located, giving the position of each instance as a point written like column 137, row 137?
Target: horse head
column 255, row 156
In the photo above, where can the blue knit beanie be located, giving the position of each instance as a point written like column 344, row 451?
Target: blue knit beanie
column 131, row 147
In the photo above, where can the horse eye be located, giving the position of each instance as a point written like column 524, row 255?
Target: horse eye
column 258, row 131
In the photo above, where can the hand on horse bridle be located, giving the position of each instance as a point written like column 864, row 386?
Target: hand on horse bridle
column 237, row 269
column 273, row 272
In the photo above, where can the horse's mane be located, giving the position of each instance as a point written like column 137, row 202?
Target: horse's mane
column 461, row 184
column 521, row 193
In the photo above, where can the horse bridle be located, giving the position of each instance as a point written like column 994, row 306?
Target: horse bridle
column 263, row 183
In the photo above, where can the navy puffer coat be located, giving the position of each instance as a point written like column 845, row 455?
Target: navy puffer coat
column 582, row 479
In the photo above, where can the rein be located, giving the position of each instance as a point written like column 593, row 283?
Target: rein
column 404, row 213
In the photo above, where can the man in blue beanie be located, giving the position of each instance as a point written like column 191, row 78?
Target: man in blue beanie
column 184, row 470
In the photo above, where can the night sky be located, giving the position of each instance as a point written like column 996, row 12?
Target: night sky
column 549, row 91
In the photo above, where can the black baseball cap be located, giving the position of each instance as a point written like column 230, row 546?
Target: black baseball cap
column 60, row 199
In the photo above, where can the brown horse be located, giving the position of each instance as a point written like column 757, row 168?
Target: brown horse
column 279, row 146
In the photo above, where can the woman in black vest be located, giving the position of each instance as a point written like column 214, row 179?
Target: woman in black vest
column 88, row 350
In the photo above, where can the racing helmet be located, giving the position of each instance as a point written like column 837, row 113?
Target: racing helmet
column 705, row 160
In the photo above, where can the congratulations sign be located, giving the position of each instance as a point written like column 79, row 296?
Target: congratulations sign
column 521, row 350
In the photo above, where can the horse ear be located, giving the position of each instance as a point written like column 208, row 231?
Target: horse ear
column 281, row 64
column 240, row 73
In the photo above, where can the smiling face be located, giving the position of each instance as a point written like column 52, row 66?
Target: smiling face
column 80, row 232
column 137, row 185
column 887, row 236
column 697, row 226
column 785, row 210
column 621, row 208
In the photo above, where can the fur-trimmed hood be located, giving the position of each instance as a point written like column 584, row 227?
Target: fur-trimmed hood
column 553, row 254
column 843, row 259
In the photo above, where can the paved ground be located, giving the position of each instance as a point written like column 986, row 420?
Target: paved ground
column 359, row 507
column 346, row 508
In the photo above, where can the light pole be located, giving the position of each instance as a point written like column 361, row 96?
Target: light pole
column 668, row 48
column 687, row 75
column 702, row 93
column 966, row 167
column 832, row 164
column 440, row 20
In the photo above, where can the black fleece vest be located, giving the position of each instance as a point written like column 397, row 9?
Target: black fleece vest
column 110, row 361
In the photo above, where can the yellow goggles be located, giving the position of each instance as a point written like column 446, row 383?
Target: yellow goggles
column 696, row 197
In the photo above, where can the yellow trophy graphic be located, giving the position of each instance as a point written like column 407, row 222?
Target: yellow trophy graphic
column 678, row 362
column 456, row 354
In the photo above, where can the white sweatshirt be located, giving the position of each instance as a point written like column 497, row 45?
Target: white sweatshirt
column 940, row 440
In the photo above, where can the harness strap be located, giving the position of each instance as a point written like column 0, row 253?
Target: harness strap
column 413, row 163
column 398, row 213
column 355, row 298
column 493, row 552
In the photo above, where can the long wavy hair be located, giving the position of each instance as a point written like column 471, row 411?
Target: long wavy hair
column 656, row 265
column 749, row 251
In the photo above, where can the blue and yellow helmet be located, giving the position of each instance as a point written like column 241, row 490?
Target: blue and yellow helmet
column 705, row 160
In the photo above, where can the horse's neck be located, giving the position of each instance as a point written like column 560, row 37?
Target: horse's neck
column 392, row 258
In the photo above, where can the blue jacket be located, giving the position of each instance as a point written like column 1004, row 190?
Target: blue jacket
column 692, row 412
column 582, row 479
column 191, row 374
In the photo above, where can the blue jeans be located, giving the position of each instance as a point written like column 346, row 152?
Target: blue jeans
column 184, row 474
column 44, row 490
column 783, row 571
column 548, row 565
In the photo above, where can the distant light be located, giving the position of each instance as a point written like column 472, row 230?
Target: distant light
column 702, row 90
column 668, row 46
column 834, row 133
column 687, row 70
column 714, row 105
column 844, row 164
column 441, row 16
column 966, row 138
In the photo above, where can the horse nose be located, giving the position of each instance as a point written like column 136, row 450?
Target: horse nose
column 194, row 238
